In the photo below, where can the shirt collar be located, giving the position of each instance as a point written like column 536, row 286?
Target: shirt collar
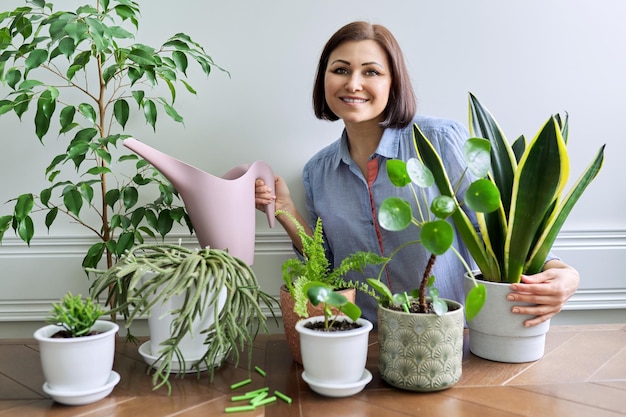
column 387, row 148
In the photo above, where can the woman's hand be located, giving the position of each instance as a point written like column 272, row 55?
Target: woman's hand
column 549, row 290
column 263, row 195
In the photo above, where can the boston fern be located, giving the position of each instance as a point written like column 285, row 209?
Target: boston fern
column 80, row 75
column 314, row 266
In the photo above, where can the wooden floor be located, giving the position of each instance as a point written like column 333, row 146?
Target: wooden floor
column 582, row 374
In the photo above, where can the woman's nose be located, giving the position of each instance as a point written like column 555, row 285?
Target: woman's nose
column 354, row 82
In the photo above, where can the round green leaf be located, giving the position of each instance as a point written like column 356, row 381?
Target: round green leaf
column 394, row 214
column 437, row 236
column 317, row 293
column 396, row 171
column 419, row 173
column 476, row 153
column 482, row 196
column 440, row 306
column 443, row 206
column 474, row 301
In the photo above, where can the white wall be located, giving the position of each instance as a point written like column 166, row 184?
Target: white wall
column 524, row 61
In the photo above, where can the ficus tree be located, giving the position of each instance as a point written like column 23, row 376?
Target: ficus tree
column 78, row 75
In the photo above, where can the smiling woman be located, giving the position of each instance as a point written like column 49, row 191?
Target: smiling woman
column 362, row 80
column 357, row 82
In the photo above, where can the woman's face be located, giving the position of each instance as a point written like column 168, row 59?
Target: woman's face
column 357, row 81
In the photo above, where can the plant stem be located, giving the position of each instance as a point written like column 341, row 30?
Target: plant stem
column 424, row 284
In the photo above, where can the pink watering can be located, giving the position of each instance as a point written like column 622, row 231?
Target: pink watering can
column 221, row 209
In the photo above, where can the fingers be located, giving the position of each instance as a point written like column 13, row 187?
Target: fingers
column 262, row 195
column 546, row 292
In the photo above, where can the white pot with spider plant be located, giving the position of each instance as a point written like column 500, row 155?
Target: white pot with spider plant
column 334, row 346
column 313, row 266
column 421, row 334
column 206, row 300
column 526, row 181
column 76, row 351
column 79, row 71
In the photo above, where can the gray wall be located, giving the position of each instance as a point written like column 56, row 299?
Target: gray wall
column 524, row 61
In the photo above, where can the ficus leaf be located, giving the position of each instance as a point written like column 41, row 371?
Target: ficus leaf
column 121, row 111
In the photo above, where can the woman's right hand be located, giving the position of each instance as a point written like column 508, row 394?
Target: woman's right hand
column 263, row 195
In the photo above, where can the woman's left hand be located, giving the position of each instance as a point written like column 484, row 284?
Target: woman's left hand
column 549, row 290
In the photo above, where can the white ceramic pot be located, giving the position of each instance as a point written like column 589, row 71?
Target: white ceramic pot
column 421, row 352
column 499, row 335
column 192, row 347
column 334, row 357
column 77, row 364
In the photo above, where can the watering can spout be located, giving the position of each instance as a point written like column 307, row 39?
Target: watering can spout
column 221, row 209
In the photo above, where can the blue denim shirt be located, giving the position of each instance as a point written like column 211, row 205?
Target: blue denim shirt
column 347, row 202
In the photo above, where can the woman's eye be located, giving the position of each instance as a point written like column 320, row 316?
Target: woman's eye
column 372, row 73
column 341, row 71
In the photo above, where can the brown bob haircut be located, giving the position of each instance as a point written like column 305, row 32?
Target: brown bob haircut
column 402, row 106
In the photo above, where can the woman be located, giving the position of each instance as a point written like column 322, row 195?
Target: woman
column 362, row 79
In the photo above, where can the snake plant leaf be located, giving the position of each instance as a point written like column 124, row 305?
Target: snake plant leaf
column 466, row 229
column 541, row 175
column 503, row 164
column 394, row 214
column 519, row 146
column 437, row 236
column 546, row 240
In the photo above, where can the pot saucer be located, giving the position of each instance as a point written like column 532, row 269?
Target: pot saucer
column 146, row 353
column 84, row 397
column 338, row 390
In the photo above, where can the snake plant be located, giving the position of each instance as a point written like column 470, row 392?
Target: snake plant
column 530, row 179
column 200, row 276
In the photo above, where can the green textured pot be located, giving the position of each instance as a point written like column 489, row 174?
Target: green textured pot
column 421, row 352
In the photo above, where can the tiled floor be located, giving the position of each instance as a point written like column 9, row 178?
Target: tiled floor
column 583, row 373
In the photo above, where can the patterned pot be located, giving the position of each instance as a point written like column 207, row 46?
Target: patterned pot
column 421, row 352
column 290, row 318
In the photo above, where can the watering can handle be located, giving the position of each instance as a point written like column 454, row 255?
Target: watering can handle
column 267, row 175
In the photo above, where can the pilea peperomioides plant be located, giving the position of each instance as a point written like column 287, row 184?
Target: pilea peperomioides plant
column 81, row 73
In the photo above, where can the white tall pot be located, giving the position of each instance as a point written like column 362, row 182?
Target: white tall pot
column 192, row 345
column 499, row 335
column 77, row 364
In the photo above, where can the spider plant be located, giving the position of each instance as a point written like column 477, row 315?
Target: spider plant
column 199, row 275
